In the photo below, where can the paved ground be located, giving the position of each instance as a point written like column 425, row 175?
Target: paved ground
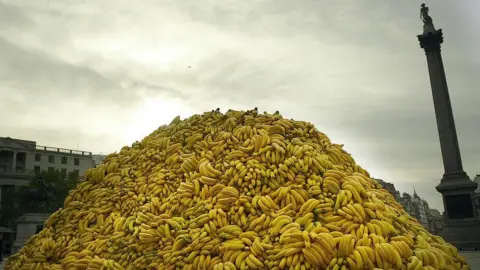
column 473, row 259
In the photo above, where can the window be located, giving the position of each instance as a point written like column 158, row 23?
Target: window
column 76, row 161
column 51, row 169
column 38, row 157
column 38, row 229
column 75, row 173
column 64, row 160
column 37, row 169
column 64, row 172
column 51, row 159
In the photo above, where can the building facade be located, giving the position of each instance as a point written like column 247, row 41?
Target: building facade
column 97, row 159
column 435, row 221
column 431, row 219
column 476, row 197
column 477, row 180
column 390, row 188
column 21, row 159
column 416, row 207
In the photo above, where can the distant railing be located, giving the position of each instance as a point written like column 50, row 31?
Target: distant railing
column 16, row 173
column 61, row 150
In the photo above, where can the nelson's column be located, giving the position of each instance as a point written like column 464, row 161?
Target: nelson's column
column 462, row 224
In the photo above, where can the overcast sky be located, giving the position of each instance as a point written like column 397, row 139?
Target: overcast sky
column 105, row 73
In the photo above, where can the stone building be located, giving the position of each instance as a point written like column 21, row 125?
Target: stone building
column 435, row 221
column 477, row 180
column 97, row 159
column 390, row 188
column 21, row 159
column 477, row 194
column 416, row 207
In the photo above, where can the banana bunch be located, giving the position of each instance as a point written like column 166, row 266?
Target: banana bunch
column 239, row 190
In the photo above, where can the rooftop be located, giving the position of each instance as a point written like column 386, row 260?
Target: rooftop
column 62, row 150
column 32, row 145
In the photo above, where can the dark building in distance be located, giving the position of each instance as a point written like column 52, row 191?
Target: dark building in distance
column 416, row 207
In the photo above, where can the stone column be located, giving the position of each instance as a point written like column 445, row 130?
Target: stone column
column 14, row 163
column 452, row 161
column 455, row 186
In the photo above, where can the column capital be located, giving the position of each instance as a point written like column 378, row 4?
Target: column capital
column 431, row 41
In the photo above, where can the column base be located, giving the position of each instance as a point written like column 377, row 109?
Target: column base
column 461, row 213
column 456, row 181
column 463, row 235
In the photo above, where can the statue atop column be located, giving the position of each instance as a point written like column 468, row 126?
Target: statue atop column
column 461, row 222
column 426, row 19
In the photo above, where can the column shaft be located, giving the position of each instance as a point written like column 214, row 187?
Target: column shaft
column 452, row 160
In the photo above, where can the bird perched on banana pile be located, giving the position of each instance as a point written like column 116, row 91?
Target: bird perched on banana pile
column 239, row 190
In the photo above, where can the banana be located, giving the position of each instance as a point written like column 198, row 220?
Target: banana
column 331, row 185
column 234, row 190
column 253, row 262
column 312, row 257
column 414, row 263
column 308, row 206
column 180, row 242
column 323, row 255
column 340, row 200
column 233, row 244
column 256, row 248
column 364, row 257
column 241, row 258
column 370, row 213
column 355, row 195
column 209, row 181
column 360, row 210
column 439, row 255
column 229, row 266
column 229, row 192
column 394, row 256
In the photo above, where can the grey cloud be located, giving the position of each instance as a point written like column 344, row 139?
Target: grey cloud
column 407, row 142
column 335, row 23
column 153, row 88
column 12, row 18
column 354, row 69
column 410, row 132
column 33, row 71
column 228, row 75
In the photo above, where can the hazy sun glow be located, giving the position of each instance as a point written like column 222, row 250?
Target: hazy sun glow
column 152, row 113
column 160, row 57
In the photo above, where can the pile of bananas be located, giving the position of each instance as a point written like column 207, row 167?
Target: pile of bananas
column 239, row 190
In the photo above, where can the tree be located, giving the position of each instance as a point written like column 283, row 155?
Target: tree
column 15, row 203
column 11, row 208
